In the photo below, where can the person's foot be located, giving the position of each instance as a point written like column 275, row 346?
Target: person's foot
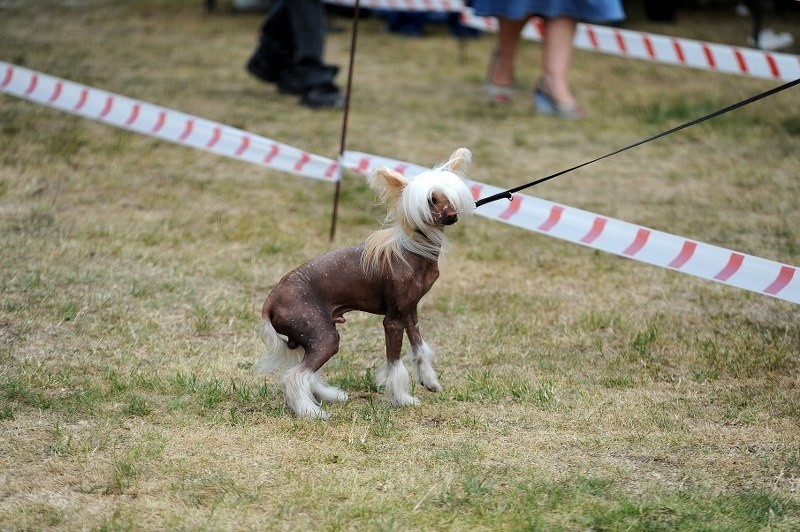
column 264, row 69
column 556, row 88
column 324, row 95
column 499, row 80
column 313, row 82
column 288, row 83
column 547, row 104
column 299, row 78
column 769, row 39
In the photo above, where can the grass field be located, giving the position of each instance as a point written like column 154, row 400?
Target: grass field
column 582, row 391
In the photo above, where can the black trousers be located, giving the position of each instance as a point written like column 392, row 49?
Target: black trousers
column 292, row 39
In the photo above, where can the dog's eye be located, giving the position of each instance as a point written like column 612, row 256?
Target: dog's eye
column 433, row 201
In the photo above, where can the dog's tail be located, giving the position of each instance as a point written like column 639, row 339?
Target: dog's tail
column 277, row 356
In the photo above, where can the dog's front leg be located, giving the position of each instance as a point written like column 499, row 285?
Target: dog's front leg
column 422, row 356
column 394, row 374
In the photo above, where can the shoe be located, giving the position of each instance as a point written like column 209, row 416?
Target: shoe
column 324, row 95
column 264, row 70
column 769, row 39
column 497, row 94
column 290, row 84
column 547, row 105
column 305, row 76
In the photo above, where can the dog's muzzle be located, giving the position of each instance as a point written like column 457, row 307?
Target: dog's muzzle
column 449, row 219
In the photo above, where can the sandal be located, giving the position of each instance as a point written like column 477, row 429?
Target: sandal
column 497, row 94
column 547, row 105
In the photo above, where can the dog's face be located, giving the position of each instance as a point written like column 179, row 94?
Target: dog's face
column 442, row 210
column 433, row 199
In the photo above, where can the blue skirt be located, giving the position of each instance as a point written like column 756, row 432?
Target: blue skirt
column 584, row 10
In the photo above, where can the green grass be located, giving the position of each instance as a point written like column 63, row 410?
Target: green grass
column 582, row 391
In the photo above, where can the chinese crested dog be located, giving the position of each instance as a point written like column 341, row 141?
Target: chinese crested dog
column 387, row 275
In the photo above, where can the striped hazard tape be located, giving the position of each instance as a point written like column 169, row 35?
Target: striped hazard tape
column 651, row 47
column 574, row 225
column 162, row 123
column 620, row 238
column 664, row 49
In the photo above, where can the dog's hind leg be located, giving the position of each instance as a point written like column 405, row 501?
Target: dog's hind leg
column 324, row 392
column 297, row 385
column 303, row 385
column 305, row 389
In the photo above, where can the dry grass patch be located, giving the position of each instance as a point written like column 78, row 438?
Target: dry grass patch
column 582, row 391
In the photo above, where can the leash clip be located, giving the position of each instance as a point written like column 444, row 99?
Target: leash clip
column 500, row 195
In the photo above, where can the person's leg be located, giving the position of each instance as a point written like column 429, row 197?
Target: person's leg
column 557, row 57
column 307, row 20
column 310, row 77
column 756, row 13
column 274, row 53
column 501, row 65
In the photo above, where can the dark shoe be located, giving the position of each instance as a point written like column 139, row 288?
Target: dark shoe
column 325, row 95
column 269, row 70
column 305, row 75
column 290, row 84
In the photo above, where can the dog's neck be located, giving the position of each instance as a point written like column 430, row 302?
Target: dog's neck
column 427, row 244
column 435, row 239
column 389, row 245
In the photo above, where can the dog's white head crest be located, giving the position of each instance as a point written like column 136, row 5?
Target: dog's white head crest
column 408, row 203
column 446, row 178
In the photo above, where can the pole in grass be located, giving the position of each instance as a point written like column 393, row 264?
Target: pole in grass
column 343, row 138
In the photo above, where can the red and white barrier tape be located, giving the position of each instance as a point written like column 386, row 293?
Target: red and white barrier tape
column 626, row 43
column 620, row 238
column 664, row 49
column 574, row 225
column 162, row 123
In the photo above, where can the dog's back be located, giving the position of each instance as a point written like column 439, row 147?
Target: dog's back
column 331, row 284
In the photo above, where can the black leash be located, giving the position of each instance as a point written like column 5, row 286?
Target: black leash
column 508, row 193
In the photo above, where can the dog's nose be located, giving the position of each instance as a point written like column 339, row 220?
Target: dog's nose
column 450, row 219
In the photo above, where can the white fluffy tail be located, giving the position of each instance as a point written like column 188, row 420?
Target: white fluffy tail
column 277, row 355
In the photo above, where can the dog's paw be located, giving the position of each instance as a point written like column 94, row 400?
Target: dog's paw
column 404, row 400
column 427, row 378
column 341, row 396
column 432, row 386
column 414, row 402
column 312, row 412
column 331, row 394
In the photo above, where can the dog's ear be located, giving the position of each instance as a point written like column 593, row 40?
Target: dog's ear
column 459, row 162
column 388, row 184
